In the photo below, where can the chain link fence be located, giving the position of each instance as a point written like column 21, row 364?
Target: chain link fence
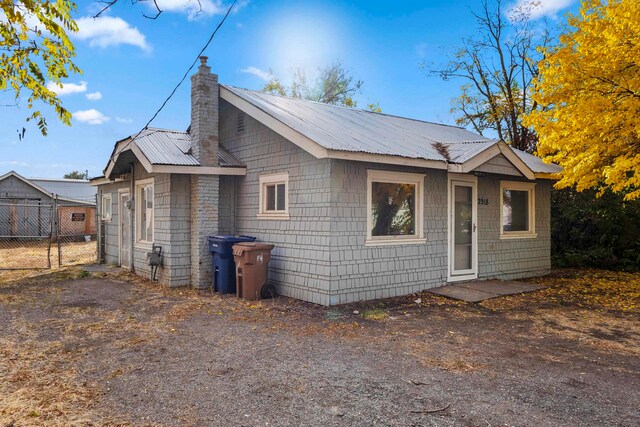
column 77, row 233
column 25, row 234
column 39, row 235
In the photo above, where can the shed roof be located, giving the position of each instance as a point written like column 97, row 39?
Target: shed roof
column 49, row 189
column 76, row 189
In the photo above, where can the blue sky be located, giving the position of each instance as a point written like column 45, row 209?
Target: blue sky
column 130, row 64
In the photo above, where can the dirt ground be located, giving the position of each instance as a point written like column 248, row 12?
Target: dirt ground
column 80, row 348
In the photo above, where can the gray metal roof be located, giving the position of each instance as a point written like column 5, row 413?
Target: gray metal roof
column 348, row 129
column 536, row 164
column 461, row 152
column 170, row 147
column 76, row 189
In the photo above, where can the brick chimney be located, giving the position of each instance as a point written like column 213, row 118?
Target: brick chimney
column 204, row 191
column 204, row 115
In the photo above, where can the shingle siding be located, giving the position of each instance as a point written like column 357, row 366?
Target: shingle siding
column 512, row 258
column 361, row 272
column 499, row 165
column 171, row 227
column 300, row 260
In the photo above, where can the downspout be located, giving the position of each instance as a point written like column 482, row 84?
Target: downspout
column 99, row 224
column 132, row 218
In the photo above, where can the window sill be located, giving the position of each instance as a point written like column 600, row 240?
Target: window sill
column 518, row 236
column 395, row 242
column 280, row 215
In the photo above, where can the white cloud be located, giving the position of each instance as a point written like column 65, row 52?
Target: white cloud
column 261, row 74
column 195, row 8
column 92, row 117
column 13, row 163
column 67, row 88
column 123, row 120
column 94, row 96
column 536, row 9
column 192, row 8
column 106, row 31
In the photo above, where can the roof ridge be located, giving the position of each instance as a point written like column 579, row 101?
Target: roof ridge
column 345, row 107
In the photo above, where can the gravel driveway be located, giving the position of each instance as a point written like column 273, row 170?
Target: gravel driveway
column 110, row 349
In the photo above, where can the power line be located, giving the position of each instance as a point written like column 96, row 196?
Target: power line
column 184, row 77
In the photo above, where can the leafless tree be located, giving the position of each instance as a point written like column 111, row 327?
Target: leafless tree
column 499, row 65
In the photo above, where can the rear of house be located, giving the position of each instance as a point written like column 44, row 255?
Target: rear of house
column 359, row 205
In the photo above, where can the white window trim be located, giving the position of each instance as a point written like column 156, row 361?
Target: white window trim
column 396, row 178
column 138, row 211
column 105, row 197
column 272, row 179
column 530, row 187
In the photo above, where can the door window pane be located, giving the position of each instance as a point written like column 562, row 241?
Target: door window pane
column 393, row 209
column 463, row 223
column 515, row 210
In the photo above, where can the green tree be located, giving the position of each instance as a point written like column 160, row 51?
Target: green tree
column 34, row 47
column 335, row 85
column 498, row 65
column 76, row 175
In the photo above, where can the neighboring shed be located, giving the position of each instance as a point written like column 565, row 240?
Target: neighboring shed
column 27, row 205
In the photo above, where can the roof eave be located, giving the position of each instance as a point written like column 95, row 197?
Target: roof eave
column 386, row 159
column 489, row 153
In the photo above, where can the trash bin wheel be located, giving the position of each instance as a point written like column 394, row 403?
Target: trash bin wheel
column 268, row 291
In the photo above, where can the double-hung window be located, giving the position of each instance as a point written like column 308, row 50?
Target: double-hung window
column 274, row 196
column 106, row 207
column 394, row 207
column 517, row 201
column 144, row 211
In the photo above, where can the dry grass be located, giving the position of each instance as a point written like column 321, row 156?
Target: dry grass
column 583, row 288
column 16, row 255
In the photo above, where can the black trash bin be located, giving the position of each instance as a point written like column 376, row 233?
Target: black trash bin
column 223, row 265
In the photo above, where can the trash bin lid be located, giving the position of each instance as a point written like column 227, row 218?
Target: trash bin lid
column 253, row 246
column 232, row 239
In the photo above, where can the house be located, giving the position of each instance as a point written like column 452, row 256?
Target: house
column 359, row 205
column 32, row 207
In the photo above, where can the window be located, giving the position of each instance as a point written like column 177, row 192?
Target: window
column 518, row 209
column 394, row 208
column 106, row 207
column 144, row 211
column 274, row 196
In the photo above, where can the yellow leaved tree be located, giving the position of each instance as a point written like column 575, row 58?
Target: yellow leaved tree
column 34, row 48
column 589, row 87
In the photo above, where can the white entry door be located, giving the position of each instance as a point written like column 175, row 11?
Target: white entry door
column 124, row 219
column 463, row 254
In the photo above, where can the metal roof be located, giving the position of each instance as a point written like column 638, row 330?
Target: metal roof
column 77, row 189
column 65, row 195
column 170, row 147
column 460, row 153
column 536, row 164
column 348, row 129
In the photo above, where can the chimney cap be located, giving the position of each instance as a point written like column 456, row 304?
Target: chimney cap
column 203, row 60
